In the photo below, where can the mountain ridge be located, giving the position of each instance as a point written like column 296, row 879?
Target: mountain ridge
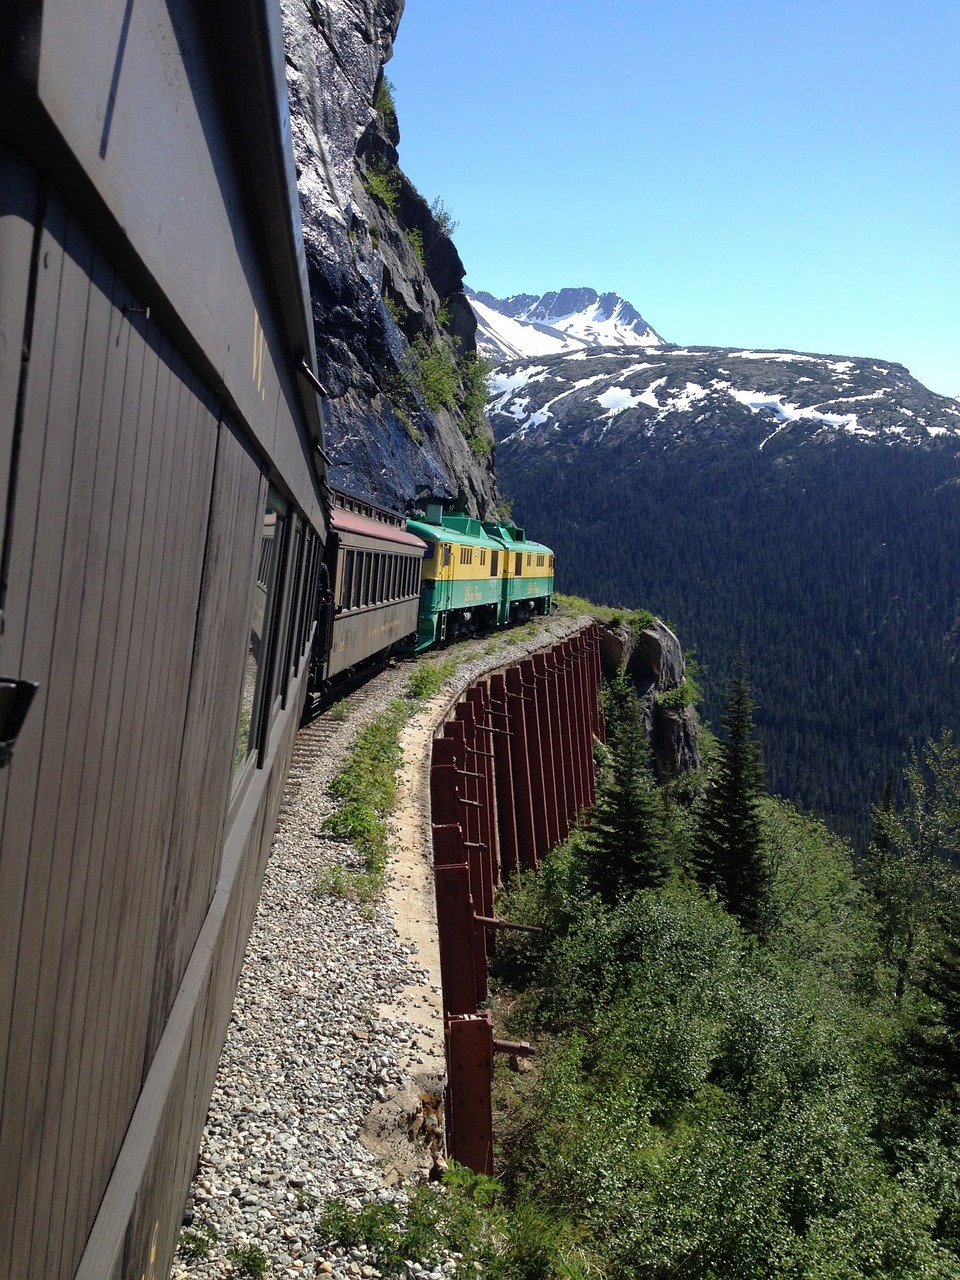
column 804, row 505
column 694, row 392
column 568, row 319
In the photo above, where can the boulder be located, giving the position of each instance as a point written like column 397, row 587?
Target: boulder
column 657, row 659
column 674, row 739
column 653, row 661
column 617, row 641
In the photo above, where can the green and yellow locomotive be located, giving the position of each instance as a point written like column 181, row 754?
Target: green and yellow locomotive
column 476, row 575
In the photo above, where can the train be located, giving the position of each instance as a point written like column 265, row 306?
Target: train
column 395, row 584
column 175, row 579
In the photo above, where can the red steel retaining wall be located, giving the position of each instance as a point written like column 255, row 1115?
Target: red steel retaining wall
column 511, row 772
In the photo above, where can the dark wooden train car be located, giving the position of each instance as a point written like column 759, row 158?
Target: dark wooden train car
column 373, row 566
column 162, row 540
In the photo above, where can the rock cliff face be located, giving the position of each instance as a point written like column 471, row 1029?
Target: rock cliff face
column 653, row 661
column 395, row 333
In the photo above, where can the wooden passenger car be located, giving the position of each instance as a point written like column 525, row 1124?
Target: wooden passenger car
column 156, row 432
column 374, row 572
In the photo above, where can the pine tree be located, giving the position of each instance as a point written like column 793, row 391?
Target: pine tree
column 731, row 856
column 908, row 864
column 628, row 845
column 933, row 1046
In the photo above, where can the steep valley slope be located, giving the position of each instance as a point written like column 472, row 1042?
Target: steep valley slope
column 805, row 507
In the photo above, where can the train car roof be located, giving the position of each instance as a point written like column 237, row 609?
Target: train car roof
column 514, row 539
column 461, row 537
column 351, row 522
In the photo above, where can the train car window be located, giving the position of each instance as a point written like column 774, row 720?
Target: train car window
column 395, row 566
column 310, row 593
column 447, row 549
column 518, row 568
column 287, row 664
column 263, row 609
column 494, row 563
column 357, row 580
column 346, row 583
column 306, row 593
column 367, row 569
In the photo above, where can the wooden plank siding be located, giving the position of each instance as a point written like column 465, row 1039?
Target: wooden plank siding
column 129, row 871
column 239, row 492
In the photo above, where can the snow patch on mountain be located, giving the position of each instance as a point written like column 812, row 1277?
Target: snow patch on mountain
column 695, row 392
column 616, row 399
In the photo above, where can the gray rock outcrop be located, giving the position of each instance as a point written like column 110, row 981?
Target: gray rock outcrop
column 653, row 661
column 386, row 283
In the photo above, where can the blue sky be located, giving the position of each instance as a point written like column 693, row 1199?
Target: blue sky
column 763, row 173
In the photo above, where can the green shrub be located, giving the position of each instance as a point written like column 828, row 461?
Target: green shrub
column 248, row 1260
column 367, row 786
column 685, row 694
column 383, row 185
column 577, row 606
column 415, row 240
column 195, row 1242
column 427, row 679
column 384, row 106
column 470, row 1217
column 394, row 310
column 441, row 216
column 474, row 372
column 432, row 371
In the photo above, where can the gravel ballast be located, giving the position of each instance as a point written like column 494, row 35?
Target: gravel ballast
column 332, row 1073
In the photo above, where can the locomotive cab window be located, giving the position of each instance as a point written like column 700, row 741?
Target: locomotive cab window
column 518, row 569
column 447, row 549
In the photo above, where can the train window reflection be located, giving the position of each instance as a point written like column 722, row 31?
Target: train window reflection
column 261, row 610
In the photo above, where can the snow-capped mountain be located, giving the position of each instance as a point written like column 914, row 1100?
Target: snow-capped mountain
column 675, row 394
column 571, row 320
column 804, row 506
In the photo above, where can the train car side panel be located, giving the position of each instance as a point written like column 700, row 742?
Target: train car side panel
column 375, row 587
column 160, row 409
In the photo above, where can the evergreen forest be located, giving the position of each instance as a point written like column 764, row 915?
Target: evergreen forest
column 749, row 1044
column 836, row 566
